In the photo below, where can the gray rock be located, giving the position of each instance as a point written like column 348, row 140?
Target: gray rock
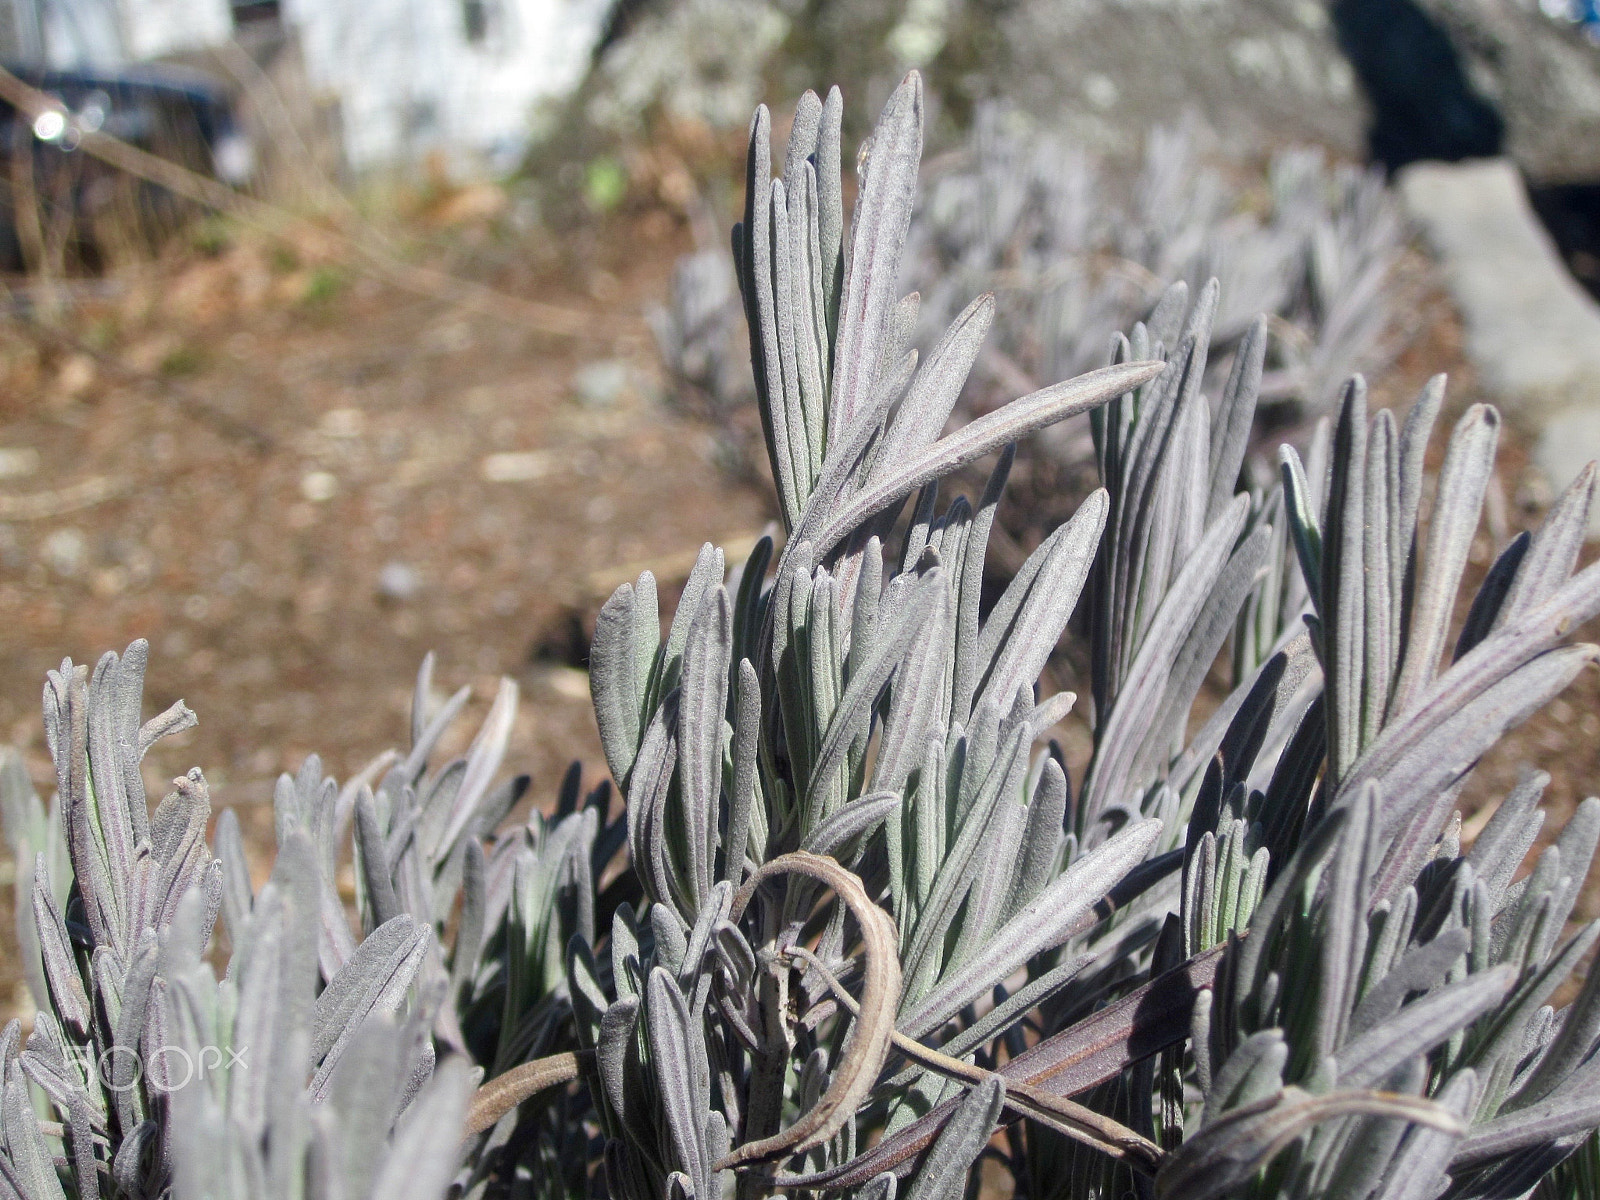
column 1257, row 73
column 1542, row 76
column 1532, row 333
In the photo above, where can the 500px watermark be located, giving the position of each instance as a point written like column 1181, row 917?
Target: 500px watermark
column 164, row 1070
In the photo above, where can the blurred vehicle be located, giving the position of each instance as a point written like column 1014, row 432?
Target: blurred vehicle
column 76, row 213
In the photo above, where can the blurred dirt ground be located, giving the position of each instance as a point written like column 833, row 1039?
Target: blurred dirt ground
column 296, row 481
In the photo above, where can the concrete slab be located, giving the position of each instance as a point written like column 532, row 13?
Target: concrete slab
column 1532, row 332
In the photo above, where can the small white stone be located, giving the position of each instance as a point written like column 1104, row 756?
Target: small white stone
column 343, row 422
column 318, row 486
column 17, row 462
column 600, row 384
column 398, row 581
column 515, row 466
column 64, row 551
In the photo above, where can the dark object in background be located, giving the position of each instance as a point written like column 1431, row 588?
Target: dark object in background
column 1571, row 213
column 1424, row 106
column 88, row 213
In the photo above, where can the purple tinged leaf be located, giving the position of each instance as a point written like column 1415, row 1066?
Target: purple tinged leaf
column 67, row 996
column 989, row 432
column 943, row 1173
column 1228, row 1152
column 1415, row 1171
column 1555, row 547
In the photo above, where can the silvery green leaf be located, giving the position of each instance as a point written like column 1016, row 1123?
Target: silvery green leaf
column 1300, row 508
column 672, row 943
column 484, row 757
column 747, row 729
column 1121, row 733
column 1382, row 604
column 1463, row 479
column 30, row 1157
column 914, row 708
column 1006, row 1013
column 848, row 449
column 237, row 894
column 613, row 1052
column 360, row 1091
column 109, row 785
column 1557, row 1117
column 1511, row 831
column 432, row 729
column 127, row 1166
column 1341, row 604
column 613, row 684
column 374, row 860
column 850, row 821
column 1504, row 1043
column 962, row 863
column 877, row 236
column 421, row 1159
column 943, row 1173
column 933, row 392
column 1021, row 643
column 1041, row 838
column 681, row 1073
column 1421, row 1025
column 898, row 629
column 1039, row 926
column 473, row 921
column 1577, row 844
column 647, row 795
column 830, row 204
column 1571, row 1046
column 789, row 295
column 1341, row 936
column 702, row 699
column 1230, row 431
column 1415, row 434
column 375, row 980
column 805, row 124
column 1420, row 969
column 1253, row 1072
column 1440, row 745
column 1198, row 651
column 1418, row 1167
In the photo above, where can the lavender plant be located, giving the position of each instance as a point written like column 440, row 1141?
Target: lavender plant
column 868, row 933
column 1072, row 246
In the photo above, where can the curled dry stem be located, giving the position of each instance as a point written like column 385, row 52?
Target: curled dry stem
column 867, row 1046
